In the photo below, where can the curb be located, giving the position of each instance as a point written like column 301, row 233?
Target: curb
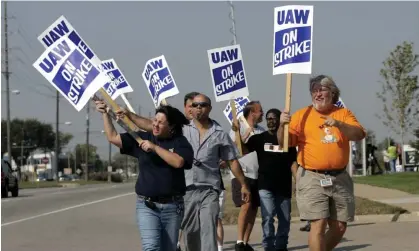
column 373, row 218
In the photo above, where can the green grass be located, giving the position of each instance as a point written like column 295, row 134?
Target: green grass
column 362, row 207
column 407, row 181
column 46, row 184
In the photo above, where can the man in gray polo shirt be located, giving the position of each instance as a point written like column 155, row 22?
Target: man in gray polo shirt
column 203, row 181
column 211, row 144
column 253, row 114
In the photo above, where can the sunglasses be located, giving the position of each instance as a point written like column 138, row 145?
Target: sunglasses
column 201, row 104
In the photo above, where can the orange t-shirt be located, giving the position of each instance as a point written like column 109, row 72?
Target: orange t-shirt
column 321, row 147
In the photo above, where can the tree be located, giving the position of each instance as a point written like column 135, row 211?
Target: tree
column 399, row 92
column 124, row 162
column 31, row 134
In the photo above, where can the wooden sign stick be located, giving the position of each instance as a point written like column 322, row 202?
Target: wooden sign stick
column 287, row 108
column 126, row 123
column 238, row 140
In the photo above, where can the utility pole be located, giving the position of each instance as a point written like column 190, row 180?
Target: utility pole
column 233, row 23
column 7, row 77
column 57, row 135
column 86, row 174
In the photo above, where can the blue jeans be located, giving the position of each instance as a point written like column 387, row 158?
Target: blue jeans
column 271, row 205
column 159, row 228
column 393, row 165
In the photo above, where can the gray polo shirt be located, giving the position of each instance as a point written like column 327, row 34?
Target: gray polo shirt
column 249, row 162
column 215, row 146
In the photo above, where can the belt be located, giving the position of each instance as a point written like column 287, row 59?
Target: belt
column 161, row 199
column 194, row 187
column 328, row 172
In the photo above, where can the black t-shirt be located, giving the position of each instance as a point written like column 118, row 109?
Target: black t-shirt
column 156, row 177
column 274, row 167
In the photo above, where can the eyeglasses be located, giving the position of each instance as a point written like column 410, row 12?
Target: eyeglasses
column 270, row 118
column 201, row 104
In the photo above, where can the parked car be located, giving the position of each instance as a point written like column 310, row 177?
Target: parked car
column 9, row 181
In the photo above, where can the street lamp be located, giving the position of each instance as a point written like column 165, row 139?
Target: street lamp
column 16, row 92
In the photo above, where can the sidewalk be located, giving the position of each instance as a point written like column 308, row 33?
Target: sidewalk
column 393, row 197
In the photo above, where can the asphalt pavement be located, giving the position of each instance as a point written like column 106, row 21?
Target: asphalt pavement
column 102, row 218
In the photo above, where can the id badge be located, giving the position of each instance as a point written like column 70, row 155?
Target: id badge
column 327, row 182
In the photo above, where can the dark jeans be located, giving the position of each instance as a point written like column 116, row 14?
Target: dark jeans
column 271, row 205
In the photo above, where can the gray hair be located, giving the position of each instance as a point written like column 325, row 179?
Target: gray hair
column 328, row 82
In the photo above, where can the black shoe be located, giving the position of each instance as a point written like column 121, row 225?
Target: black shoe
column 240, row 247
column 178, row 248
column 247, row 247
column 282, row 249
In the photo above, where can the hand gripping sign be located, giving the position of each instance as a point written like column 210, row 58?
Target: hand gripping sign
column 159, row 80
column 60, row 39
column 61, row 28
column 228, row 78
column 293, row 47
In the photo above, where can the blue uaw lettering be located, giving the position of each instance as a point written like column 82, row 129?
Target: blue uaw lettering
column 56, row 33
column 108, row 66
column 114, row 83
column 153, row 66
column 230, row 80
column 292, row 48
column 293, row 16
column 159, row 84
column 54, row 56
column 223, row 56
column 79, row 76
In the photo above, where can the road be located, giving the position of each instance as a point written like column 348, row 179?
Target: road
column 101, row 217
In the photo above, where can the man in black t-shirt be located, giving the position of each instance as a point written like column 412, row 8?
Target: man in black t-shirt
column 276, row 169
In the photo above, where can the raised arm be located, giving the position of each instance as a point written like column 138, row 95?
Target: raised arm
column 111, row 134
column 143, row 123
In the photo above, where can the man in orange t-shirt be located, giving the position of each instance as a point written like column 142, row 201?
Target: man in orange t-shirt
column 322, row 132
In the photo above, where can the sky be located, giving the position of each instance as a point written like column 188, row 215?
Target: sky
column 350, row 42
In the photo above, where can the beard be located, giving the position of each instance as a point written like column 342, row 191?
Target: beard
column 322, row 105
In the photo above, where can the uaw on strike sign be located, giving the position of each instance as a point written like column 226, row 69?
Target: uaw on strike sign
column 159, row 80
column 71, row 72
column 116, row 83
column 227, row 72
column 293, row 37
column 240, row 105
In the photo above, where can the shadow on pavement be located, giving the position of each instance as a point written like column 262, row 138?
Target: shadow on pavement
column 360, row 224
column 354, row 247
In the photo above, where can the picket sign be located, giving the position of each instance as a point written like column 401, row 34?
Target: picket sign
column 228, row 79
column 62, row 27
column 292, row 48
column 52, row 67
column 159, row 80
column 240, row 104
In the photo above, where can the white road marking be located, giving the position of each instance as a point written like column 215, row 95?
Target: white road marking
column 66, row 209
